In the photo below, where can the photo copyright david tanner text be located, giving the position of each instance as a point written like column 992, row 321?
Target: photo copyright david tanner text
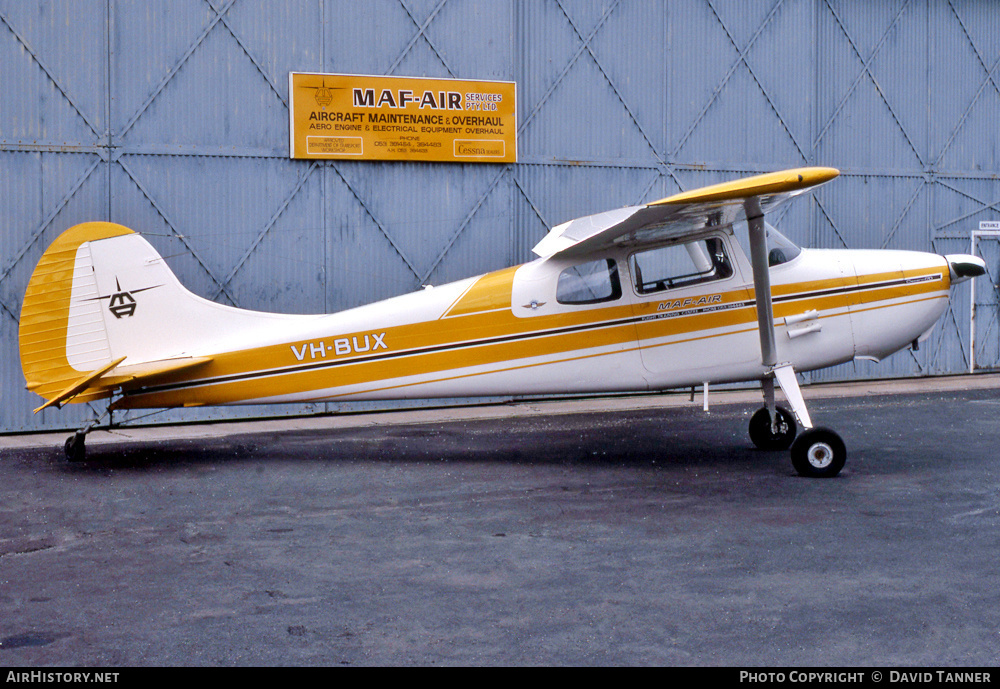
column 892, row 676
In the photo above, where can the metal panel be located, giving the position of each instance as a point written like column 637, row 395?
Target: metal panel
column 171, row 117
column 55, row 73
column 741, row 85
column 395, row 227
column 986, row 327
column 964, row 94
column 861, row 122
column 53, row 123
column 591, row 82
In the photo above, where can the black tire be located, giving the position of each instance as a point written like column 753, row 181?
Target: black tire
column 818, row 453
column 762, row 435
column 76, row 448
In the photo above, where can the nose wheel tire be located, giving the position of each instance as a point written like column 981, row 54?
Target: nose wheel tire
column 818, row 453
column 776, row 437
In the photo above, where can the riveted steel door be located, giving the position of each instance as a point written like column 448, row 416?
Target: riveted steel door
column 984, row 332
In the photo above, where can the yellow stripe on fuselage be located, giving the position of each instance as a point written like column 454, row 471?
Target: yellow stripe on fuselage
column 489, row 293
column 479, row 330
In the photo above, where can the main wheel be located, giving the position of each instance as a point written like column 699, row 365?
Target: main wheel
column 818, row 453
column 765, row 437
column 76, row 448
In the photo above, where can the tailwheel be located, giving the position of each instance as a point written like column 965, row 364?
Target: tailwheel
column 818, row 453
column 76, row 448
column 776, row 436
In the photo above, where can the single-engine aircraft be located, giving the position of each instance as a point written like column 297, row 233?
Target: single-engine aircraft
column 643, row 298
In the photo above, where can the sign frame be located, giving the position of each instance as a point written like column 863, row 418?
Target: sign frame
column 389, row 118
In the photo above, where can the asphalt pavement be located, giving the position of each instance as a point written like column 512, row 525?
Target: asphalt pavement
column 619, row 531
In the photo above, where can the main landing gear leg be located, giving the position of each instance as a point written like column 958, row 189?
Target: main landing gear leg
column 772, row 427
column 817, row 452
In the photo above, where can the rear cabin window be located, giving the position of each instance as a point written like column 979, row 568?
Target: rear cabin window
column 680, row 265
column 589, row 283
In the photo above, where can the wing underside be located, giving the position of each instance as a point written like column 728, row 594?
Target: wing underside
column 681, row 215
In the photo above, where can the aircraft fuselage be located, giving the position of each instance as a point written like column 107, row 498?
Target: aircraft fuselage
column 516, row 332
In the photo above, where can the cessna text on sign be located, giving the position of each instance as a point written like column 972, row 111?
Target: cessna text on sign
column 354, row 117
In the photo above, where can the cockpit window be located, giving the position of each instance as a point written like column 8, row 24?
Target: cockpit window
column 680, row 265
column 780, row 249
column 589, row 283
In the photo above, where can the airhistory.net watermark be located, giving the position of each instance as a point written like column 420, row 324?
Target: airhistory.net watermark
column 61, row 677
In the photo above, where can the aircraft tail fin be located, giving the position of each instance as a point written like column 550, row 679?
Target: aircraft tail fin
column 45, row 313
column 102, row 310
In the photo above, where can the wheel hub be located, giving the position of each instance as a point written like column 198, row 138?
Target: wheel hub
column 820, row 455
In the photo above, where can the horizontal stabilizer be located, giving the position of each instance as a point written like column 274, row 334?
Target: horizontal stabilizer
column 131, row 376
column 79, row 386
column 138, row 374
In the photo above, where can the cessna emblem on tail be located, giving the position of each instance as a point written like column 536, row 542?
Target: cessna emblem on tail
column 642, row 298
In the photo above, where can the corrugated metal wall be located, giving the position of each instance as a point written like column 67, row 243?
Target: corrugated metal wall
column 171, row 117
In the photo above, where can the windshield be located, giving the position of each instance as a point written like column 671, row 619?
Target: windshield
column 780, row 249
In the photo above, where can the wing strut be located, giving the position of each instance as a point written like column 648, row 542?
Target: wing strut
column 765, row 321
column 761, row 282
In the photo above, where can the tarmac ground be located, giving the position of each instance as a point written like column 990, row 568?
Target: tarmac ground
column 618, row 531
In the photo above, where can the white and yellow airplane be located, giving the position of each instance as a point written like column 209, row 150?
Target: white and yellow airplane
column 642, row 298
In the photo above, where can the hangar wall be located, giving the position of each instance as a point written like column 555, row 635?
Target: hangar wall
column 171, row 116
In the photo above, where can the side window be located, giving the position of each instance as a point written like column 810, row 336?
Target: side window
column 589, row 283
column 680, row 265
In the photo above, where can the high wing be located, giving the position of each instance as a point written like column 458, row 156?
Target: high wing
column 681, row 215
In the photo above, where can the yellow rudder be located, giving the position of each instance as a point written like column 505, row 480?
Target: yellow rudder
column 44, row 320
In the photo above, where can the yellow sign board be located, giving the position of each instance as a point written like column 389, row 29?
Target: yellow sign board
column 356, row 117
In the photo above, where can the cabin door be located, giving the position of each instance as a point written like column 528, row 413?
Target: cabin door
column 694, row 321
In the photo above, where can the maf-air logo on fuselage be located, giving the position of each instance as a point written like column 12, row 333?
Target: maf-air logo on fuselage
column 122, row 304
